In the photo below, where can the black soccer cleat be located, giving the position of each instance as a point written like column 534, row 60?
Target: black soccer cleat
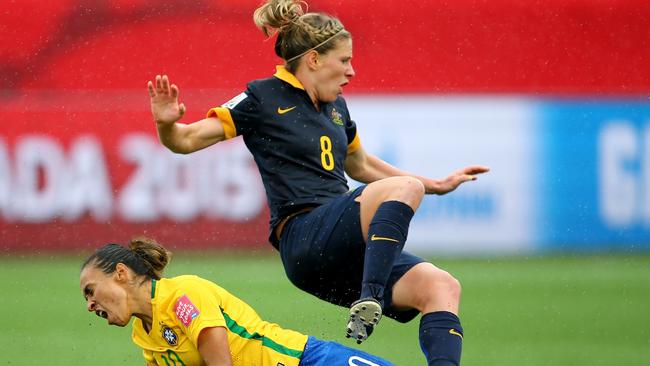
column 364, row 316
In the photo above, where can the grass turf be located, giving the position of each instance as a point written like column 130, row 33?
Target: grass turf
column 577, row 310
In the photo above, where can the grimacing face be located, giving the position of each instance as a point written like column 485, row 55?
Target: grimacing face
column 105, row 295
column 335, row 71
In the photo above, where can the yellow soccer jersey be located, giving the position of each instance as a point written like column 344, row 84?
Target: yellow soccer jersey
column 184, row 305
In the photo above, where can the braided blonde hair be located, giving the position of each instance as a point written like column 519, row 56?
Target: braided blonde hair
column 298, row 32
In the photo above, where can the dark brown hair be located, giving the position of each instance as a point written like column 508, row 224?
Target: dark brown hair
column 144, row 256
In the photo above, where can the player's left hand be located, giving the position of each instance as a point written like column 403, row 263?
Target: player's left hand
column 455, row 179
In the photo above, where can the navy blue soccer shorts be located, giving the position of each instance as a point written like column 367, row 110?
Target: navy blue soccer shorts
column 323, row 353
column 323, row 253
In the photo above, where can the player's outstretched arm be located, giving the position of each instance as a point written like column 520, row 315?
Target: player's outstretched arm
column 167, row 111
column 213, row 347
column 367, row 168
column 454, row 180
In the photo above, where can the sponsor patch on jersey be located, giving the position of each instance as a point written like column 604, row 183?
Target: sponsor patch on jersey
column 337, row 117
column 170, row 336
column 185, row 310
column 232, row 103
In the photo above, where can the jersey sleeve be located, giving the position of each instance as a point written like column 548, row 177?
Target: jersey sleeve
column 353, row 137
column 350, row 128
column 197, row 308
column 238, row 115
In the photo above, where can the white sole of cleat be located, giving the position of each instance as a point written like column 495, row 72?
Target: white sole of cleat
column 364, row 316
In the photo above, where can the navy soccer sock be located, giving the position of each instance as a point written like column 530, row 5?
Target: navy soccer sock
column 441, row 338
column 386, row 237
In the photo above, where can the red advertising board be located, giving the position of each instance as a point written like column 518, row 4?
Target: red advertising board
column 82, row 168
column 461, row 46
column 79, row 159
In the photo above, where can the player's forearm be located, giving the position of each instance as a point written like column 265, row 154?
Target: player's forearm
column 375, row 169
column 370, row 169
column 184, row 139
column 174, row 137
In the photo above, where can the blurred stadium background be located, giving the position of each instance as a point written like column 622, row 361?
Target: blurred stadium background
column 552, row 246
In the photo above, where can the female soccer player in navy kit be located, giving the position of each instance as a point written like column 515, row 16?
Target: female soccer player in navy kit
column 342, row 246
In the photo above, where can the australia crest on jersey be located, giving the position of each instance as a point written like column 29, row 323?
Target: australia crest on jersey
column 170, row 336
column 337, row 117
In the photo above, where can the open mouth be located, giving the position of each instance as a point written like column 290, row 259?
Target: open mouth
column 101, row 314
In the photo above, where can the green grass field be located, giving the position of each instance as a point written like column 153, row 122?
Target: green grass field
column 578, row 310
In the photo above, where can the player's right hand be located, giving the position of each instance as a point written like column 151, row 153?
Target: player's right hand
column 164, row 101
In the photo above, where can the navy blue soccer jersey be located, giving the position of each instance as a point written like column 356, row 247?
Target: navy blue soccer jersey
column 299, row 150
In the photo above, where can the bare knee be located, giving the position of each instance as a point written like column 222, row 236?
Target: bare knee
column 441, row 290
column 449, row 286
column 408, row 190
column 428, row 289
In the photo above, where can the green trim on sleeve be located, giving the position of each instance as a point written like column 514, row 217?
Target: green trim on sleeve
column 266, row 342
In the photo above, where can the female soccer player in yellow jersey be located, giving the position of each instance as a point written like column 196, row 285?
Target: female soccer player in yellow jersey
column 187, row 320
column 343, row 247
